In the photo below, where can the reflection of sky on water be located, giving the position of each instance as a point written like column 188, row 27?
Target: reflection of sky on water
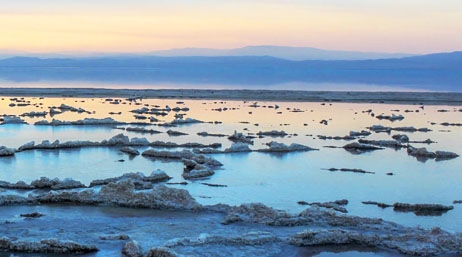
column 277, row 180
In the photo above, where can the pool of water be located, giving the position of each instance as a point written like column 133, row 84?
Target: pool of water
column 278, row 180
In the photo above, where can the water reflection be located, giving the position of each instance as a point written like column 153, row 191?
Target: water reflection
column 279, row 180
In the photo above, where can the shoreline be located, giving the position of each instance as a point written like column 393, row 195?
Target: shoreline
column 432, row 98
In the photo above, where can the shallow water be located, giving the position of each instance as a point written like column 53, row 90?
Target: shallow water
column 278, row 180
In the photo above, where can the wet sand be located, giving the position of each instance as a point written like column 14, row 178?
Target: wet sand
column 446, row 98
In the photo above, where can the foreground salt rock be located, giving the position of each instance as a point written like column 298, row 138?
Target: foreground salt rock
column 132, row 249
column 250, row 238
column 56, row 184
column 45, row 246
column 276, row 147
column 122, row 193
column 137, row 178
column 161, row 252
column 422, row 245
column 350, row 230
column 44, row 183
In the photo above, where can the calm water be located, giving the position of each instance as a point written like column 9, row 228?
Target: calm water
column 278, row 180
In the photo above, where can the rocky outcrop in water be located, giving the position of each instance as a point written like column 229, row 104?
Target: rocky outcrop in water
column 86, row 121
column 129, row 150
column 382, row 143
column 138, row 178
column 117, row 140
column 358, row 148
column 5, row 151
column 423, row 154
column 275, row 147
column 239, row 137
column 44, row 183
column 335, row 205
column 132, row 249
column 45, row 246
column 9, row 119
column 392, row 117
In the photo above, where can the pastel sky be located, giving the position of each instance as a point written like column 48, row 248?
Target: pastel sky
column 413, row 26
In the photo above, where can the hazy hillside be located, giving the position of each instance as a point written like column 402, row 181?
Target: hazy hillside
column 284, row 52
column 436, row 72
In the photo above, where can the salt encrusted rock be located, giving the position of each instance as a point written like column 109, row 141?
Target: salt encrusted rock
column 122, row 193
column 17, row 185
column 175, row 133
column 196, row 170
column 12, row 120
column 185, row 121
column 34, row 114
column 272, row 133
column 392, row 117
column 362, row 133
column 119, row 139
column 422, row 209
column 379, row 128
column 280, row 147
column 425, row 154
column 143, row 130
column 335, row 205
column 45, row 246
column 384, row 143
column 5, row 151
column 27, row 146
column 114, row 237
column 251, row 239
column 360, row 148
column 238, row 147
column 86, row 121
column 56, row 184
column 161, row 252
column 239, row 137
column 155, row 177
column 132, row 249
column 401, row 138
column 137, row 141
column 183, row 155
column 130, row 150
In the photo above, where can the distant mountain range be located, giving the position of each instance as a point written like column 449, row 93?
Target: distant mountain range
column 283, row 52
column 441, row 71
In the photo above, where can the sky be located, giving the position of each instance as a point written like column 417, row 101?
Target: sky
column 405, row 26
